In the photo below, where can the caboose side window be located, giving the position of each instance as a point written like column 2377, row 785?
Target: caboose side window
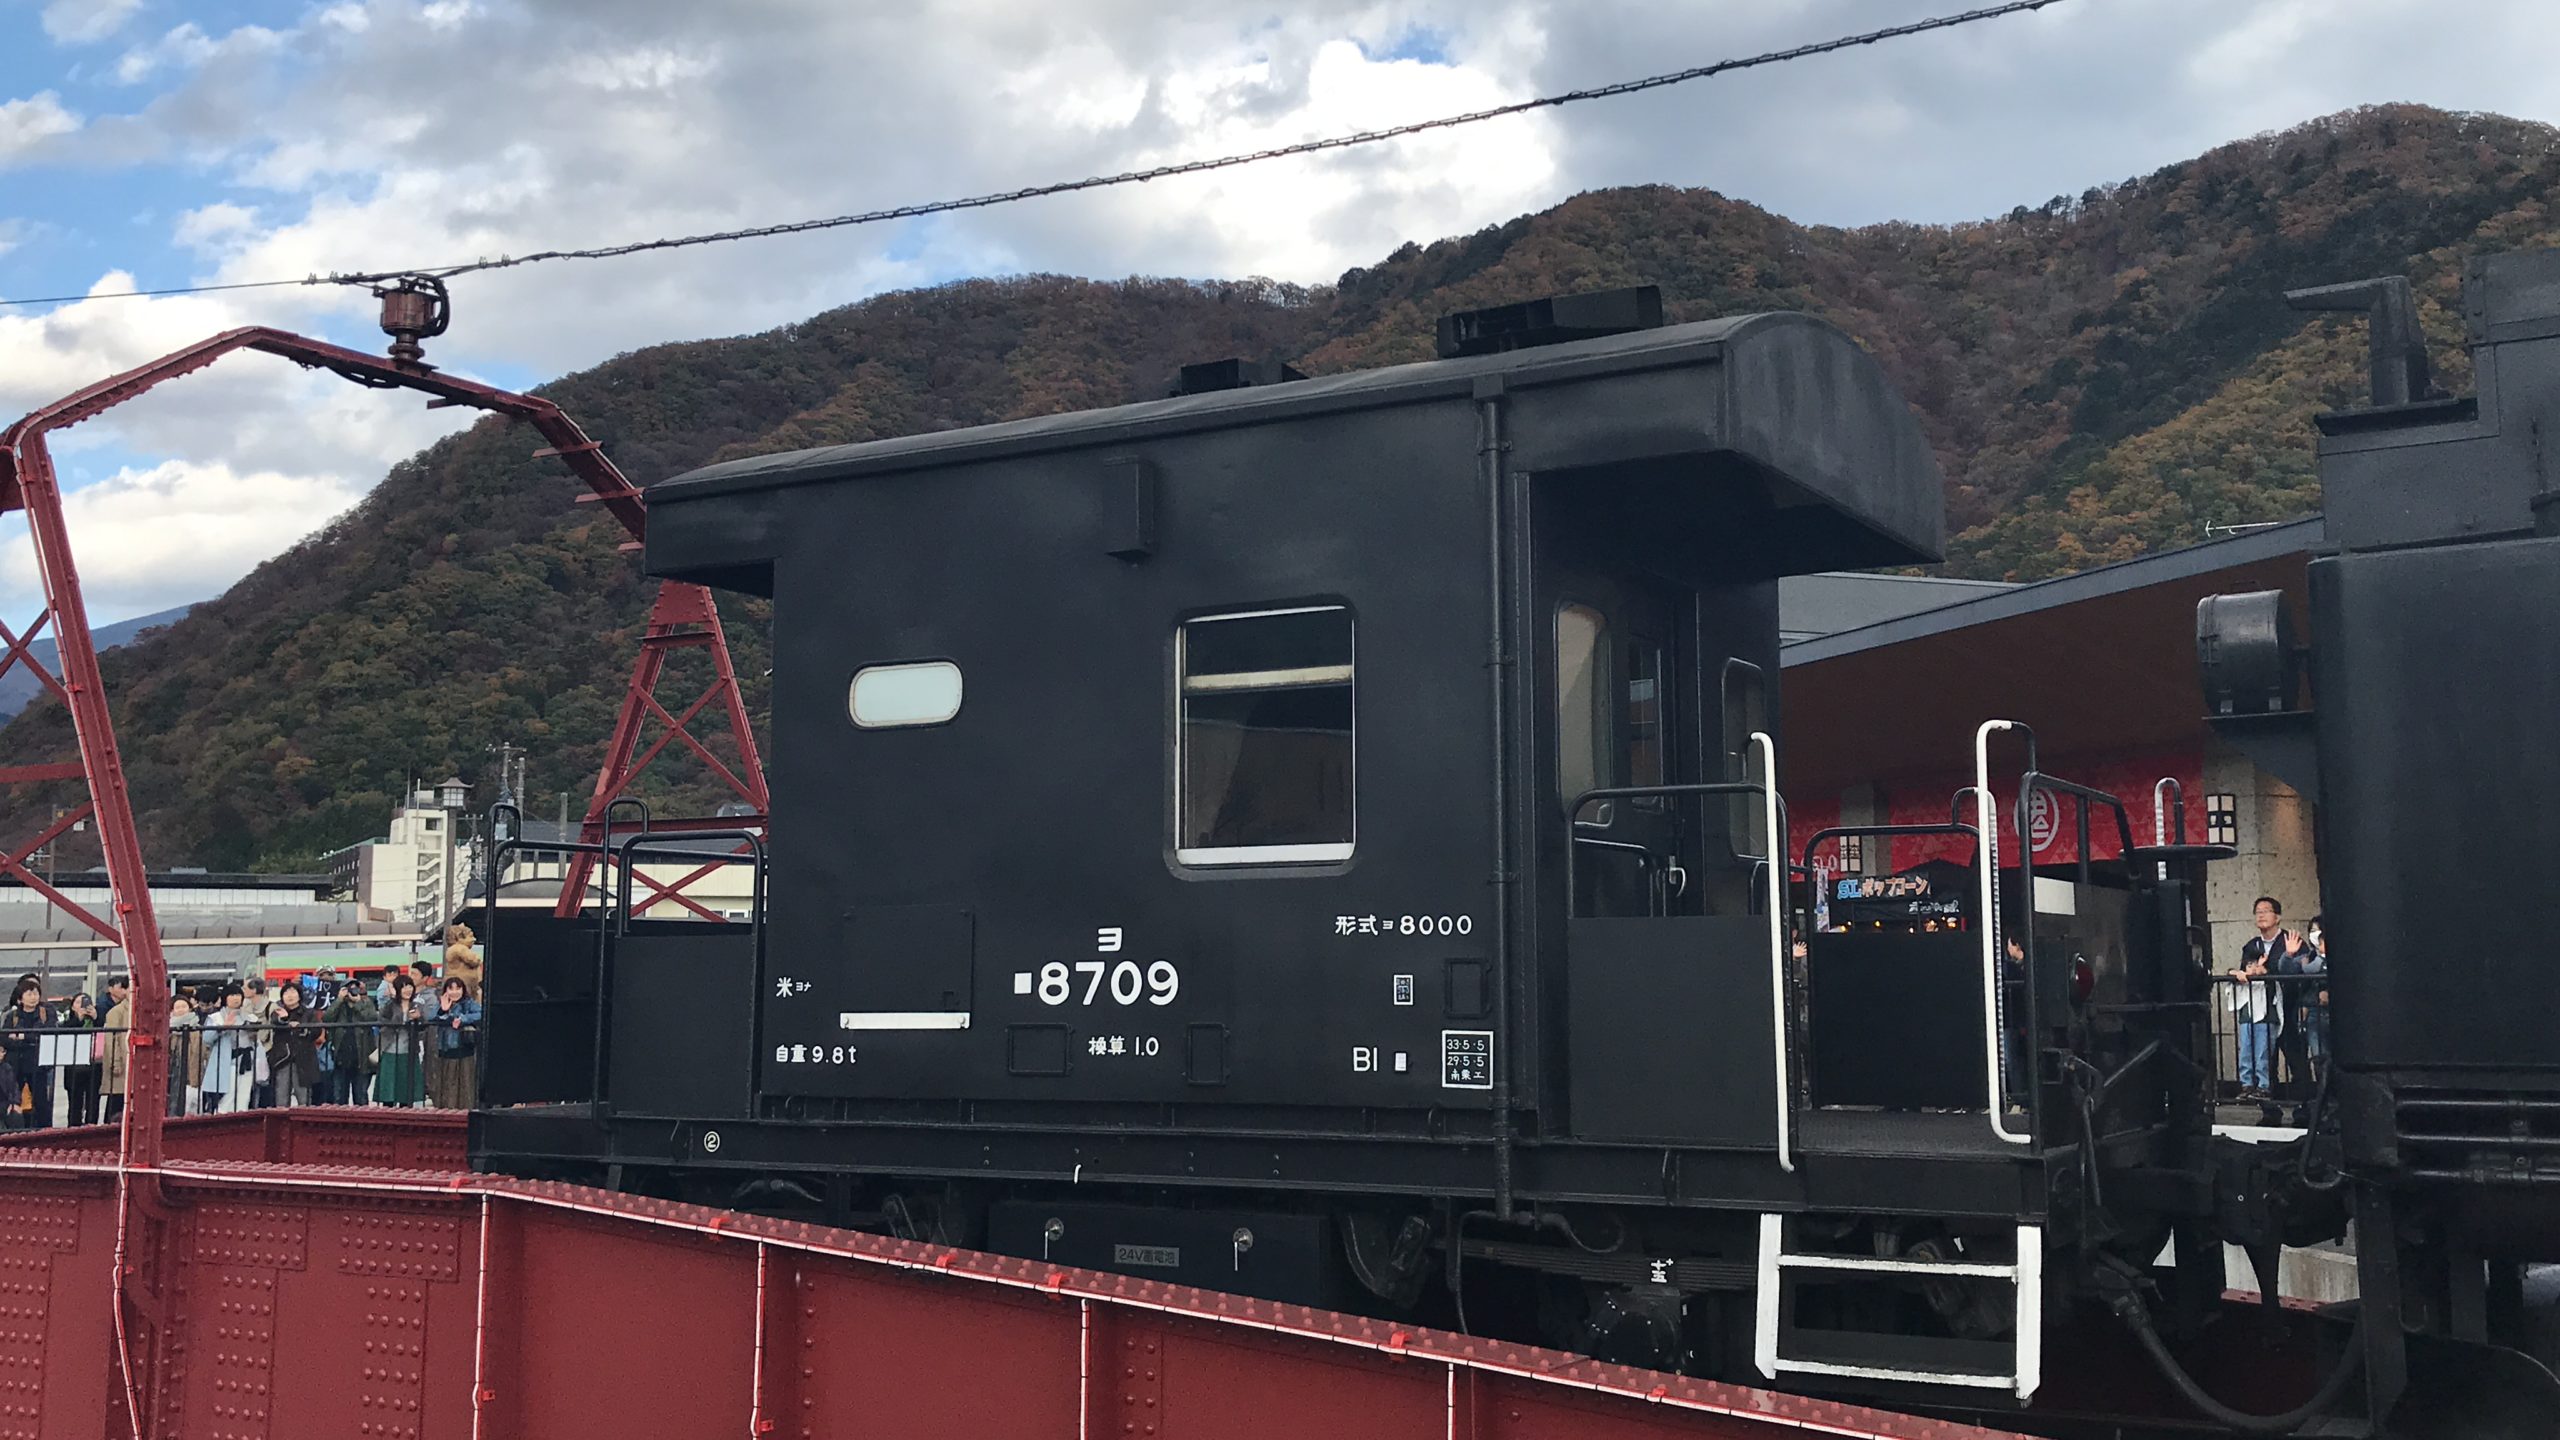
column 1263, row 746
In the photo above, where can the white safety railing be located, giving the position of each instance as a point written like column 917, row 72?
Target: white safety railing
column 2160, row 816
column 1766, row 750
column 1987, row 818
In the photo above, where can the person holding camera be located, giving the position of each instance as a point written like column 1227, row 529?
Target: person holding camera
column 293, row 1049
column 80, row 1078
column 22, row 1030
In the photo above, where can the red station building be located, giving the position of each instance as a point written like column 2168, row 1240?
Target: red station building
column 1887, row 678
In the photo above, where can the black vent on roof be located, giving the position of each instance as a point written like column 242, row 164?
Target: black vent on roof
column 1233, row 373
column 1551, row 321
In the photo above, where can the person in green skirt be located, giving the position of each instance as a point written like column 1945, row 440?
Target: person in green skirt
column 402, row 1081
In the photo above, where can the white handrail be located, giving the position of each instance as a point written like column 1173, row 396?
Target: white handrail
column 1988, row 822
column 2160, row 816
column 1776, row 844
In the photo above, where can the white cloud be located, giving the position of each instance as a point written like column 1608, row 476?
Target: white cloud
column 371, row 133
column 396, row 133
column 208, row 226
column 25, row 125
column 183, row 47
column 247, row 415
column 179, row 531
column 76, row 22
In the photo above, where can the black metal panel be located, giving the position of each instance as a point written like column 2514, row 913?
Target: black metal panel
column 2438, row 677
column 539, row 1003
column 1669, row 1029
column 1796, row 403
column 683, row 1022
column 1042, row 807
column 1896, row 1020
column 1270, row 1255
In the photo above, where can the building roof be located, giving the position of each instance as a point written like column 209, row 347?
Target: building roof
column 2101, row 662
column 183, row 879
column 1812, row 606
column 1998, row 602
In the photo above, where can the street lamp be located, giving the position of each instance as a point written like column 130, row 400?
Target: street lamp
column 451, row 797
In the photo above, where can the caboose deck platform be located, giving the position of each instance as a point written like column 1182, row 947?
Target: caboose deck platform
column 1902, row 1133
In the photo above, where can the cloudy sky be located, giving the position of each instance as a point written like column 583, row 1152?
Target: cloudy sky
column 149, row 143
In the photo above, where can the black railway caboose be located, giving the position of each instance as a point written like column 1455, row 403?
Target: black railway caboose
column 1319, row 839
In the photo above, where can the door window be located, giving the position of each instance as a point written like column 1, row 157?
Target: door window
column 1746, row 709
column 1642, row 737
column 1611, row 725
column 1585, row 682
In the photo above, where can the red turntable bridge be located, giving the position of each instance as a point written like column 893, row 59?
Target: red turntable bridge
column 337, row 1273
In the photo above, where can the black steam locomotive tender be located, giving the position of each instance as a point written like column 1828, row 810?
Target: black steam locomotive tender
column 1319, row 839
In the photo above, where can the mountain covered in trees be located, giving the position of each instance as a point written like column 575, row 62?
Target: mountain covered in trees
column 2102, row 375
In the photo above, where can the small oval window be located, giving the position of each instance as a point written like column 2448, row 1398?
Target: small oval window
column 926, row 692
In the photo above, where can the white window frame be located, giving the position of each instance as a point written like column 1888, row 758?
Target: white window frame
column 918, row 720
column 2222, row 819
column 1327, row 853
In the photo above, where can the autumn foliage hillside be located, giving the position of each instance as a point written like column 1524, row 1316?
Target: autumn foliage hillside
column 2102, row 376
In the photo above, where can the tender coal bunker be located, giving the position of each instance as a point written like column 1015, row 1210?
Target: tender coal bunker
column 1265, row 749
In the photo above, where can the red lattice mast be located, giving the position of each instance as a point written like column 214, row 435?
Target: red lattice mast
column 683, row 617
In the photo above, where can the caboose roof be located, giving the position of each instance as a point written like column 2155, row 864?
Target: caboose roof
column 1796, row 398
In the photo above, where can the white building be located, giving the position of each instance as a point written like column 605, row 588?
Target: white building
column 211, row 927
column 403, row 876
column 407, row 874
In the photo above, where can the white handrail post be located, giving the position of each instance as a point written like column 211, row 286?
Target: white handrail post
column 2160, row 816
column 1987, row 819
column 1767, row 750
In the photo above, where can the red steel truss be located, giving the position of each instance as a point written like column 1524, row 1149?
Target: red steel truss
column 683, row 619
column 334, row 1273
column 143, row 1214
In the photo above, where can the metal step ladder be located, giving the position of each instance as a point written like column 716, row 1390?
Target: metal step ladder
column 1894, row 1359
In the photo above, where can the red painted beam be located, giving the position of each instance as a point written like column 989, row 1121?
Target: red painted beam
column 334, row 1273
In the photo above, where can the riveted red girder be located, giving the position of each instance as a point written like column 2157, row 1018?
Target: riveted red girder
column 335, row 1274
column 145, row 1340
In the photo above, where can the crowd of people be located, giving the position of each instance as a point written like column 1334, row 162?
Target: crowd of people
column 2278, row 996
column 404, row 1037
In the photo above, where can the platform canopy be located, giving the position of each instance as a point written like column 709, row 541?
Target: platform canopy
column 2102, row 662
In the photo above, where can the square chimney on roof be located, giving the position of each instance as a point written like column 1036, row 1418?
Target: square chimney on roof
column 1550, row 321
column 1233, row 373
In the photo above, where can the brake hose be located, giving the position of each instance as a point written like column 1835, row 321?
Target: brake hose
column 2129, row 1308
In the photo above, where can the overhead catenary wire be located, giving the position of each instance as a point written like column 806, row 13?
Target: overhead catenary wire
column 1128, row 177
